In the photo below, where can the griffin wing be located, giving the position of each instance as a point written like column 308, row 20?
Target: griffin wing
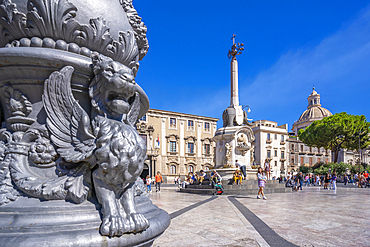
column 67, row 121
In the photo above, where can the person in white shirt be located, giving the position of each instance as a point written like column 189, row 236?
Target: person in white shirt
column 149, row 184
column 267, row 169
column 242, row 168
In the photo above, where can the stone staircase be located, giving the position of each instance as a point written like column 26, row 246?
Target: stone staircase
column 249, row 187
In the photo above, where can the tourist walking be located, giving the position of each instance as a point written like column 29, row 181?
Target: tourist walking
column 242, row 168
column 267, row 169
column 307, row 180
column 261, row 183
column 345, row 179
column 334, row 181
column 300, row 180
column 326, row 181
column 317, row 180
column 158, row 181
column 149, row 184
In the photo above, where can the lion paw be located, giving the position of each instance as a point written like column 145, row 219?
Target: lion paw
column 113, row 226
column 141, row 223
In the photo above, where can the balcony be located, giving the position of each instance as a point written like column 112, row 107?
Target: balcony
column 190, row 154
column 172, row 153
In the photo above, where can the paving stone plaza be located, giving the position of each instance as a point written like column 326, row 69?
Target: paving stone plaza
column 312, row 217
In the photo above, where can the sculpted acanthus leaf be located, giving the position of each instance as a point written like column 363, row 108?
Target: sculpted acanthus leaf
column 56, row 19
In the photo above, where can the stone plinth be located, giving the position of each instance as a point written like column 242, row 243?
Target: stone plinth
column 33, row 222
column 227, row 173
column 233, row 143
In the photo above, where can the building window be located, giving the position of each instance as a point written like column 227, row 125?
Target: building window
column 206, row 168
column 302, row 148
column 282, row 138
column 190, row 123
column 282, row 154
column 268, row 137
column 207, row 149
column 275, row 163
column 190, row 148
column 172, row 169
column 173, row 122
column 302, row 160
column 275, row 153
column 190, row 169
column 275, row 136
column 269, row 154
column 206, row 127
column 310, row 161
column 143, row 118
column 292, row 147
column 173, row 147
column 292, row 160
column 318, row 160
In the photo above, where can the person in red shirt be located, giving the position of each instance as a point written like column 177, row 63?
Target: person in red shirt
column 366, row 174
column 158, row 181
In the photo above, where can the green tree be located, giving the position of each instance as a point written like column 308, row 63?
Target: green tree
column 305, row 169
column 338, row 131
column 341, row 168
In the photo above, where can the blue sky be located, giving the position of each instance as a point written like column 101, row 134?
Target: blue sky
column 289, row 47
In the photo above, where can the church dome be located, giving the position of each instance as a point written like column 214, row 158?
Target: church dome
column 314, row 112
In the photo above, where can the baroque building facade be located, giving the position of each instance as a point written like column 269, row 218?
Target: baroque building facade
column 177, row 143
column 299, row 153
column 271, row 144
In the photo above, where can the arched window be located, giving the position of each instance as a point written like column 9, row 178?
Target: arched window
column 173, row 169
column 206, row 168
column 190, row 168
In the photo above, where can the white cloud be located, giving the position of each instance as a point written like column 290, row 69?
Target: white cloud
column 337, row 66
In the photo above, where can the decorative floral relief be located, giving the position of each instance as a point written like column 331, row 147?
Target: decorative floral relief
column 56, row 19
column 42, row 152
column 16, row 102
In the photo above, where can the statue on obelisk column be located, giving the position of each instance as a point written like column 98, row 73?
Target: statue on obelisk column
column 234, row 114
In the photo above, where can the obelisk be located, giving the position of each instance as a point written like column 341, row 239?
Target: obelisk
column 234, row 139
column 234, row 111
column 234, row 99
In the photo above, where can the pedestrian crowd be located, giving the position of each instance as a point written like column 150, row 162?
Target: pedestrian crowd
column 328, row 180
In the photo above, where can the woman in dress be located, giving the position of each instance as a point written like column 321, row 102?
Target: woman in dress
column 261, row 183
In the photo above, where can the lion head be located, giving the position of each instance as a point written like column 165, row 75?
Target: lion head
column 113, row 87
